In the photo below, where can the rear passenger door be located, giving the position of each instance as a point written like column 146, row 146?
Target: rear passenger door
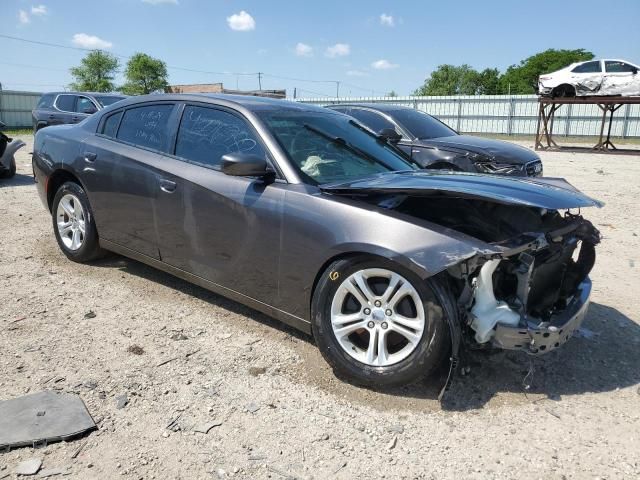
column 222, row 228
column 122, row 166
column 63, row 109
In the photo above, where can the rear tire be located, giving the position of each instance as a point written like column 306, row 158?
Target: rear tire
column 420, row 315
column 74, row 225
column 12, row 170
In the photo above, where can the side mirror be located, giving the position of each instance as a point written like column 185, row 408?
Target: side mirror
column 390, row 135
column 90, row 110
column 244, row 165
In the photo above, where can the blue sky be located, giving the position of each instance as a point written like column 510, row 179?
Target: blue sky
column 371, row 46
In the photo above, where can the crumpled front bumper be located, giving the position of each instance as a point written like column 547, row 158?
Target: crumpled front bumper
column 539, row 338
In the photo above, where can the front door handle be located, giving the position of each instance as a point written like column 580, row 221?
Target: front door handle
column 167, row 186
column 90, row 157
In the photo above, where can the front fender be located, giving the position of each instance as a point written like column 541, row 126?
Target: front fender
column 10, row 151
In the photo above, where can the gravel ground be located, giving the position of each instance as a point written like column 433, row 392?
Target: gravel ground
column 281, row 412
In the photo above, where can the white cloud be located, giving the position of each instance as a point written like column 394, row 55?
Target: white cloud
column 338, row 50
column 304, row 50
column 387, row 20
column 160, row 2
column 39, row 10
column 242, row 22
column 383, row 65
column 90, row 41
column 23, row 17
column 357, row 73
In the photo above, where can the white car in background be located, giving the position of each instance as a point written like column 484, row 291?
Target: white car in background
column 594, row 77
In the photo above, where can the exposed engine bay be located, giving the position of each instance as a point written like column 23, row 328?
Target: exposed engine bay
column 526, row 296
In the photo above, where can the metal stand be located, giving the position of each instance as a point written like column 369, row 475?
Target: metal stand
column 608, row 106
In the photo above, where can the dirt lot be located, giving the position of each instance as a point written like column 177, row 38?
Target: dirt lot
column 281, row 411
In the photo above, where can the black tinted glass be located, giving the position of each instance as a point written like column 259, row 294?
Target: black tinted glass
column 421, row 125
column 619, row 67
column 108, row 100
column 589, row 67
column 110, row 126
column 46, row 101
column 66, row 102
column 206, row 134
column 84, row 105
column 146, row 126
column 374, row 121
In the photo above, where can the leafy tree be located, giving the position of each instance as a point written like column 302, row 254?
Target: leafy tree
column 451, row 80
column 392, row 93
column 144, row 74
column 523, row 78
column 95, row 73
column 488, row 82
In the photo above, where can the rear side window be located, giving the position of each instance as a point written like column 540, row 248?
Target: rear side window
column 84, row 105
column 206, row 134
column 110, row 127
column 619, row 67
column 46, row 101
column 146, row 126
column 66, row 103
column 589, row 67
column 374, row 121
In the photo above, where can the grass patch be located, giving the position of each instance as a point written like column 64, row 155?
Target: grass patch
column 18, row 131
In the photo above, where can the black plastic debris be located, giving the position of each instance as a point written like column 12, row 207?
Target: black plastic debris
column 41, row 418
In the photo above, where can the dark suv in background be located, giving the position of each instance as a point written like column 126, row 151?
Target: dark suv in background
column 58, row 108
column 432, row 144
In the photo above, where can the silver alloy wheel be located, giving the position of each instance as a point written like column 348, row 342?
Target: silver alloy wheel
column 70, row 219
column 377, row 334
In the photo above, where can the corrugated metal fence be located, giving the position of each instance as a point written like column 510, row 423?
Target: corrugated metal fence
column 506, row 114
column 15, row 107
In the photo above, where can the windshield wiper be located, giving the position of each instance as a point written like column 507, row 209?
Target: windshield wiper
column 342, row 142
column 386, row 141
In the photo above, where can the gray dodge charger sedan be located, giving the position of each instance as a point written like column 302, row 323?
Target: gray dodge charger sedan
column 304, row 214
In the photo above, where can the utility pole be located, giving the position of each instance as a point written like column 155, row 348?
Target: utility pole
column 295, row 93
column 260, row 80
column 337, row 89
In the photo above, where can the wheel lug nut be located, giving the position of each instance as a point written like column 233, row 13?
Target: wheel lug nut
column 367, row 311
column 388, row 312
column 370, row 324
column 377, row 303
column 384, row 325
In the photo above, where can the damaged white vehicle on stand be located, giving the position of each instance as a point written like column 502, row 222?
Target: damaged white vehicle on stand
column 595, row 77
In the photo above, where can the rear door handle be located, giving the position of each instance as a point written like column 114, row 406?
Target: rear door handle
column 90, row 157
column 167, row 185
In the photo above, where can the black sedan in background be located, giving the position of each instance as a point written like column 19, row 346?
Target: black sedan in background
column 432, row 144
column 310, row 217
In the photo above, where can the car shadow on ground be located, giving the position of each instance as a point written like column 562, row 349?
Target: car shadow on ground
column 18, row 180
column 602, row 357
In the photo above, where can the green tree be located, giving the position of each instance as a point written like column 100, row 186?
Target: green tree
column 392, row 93
column 488, row 82
column 95, row 73
column 450, row 80
column 144, row 74
column 523, row 78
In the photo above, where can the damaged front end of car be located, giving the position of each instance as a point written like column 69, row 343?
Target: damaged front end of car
column 527, row 287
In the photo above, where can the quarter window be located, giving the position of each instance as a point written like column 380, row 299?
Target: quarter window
column 619, row 67
column 146, row 126
column 110, row 127
column 206, row 134
column 46, row 101
column 66, row 102
column 589, row 67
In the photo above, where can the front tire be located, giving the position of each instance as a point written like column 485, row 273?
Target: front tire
column 10, row 173
column 378, row 324
column 74, row 225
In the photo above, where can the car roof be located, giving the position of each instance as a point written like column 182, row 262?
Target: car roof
column 100, row 94
column 381, row 107
column 247, row 102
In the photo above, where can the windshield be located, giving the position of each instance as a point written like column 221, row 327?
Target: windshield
column 422, row 125
column 327, row 147
column 107, row 100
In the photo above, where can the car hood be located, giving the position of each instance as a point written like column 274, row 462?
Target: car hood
column 549, row 193
column 497, row 150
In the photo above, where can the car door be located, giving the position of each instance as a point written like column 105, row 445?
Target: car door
column 222, row 228
column 587, row 77
column 121, row 171
column 63, row 109
column 620, row 78
column 83, row 108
